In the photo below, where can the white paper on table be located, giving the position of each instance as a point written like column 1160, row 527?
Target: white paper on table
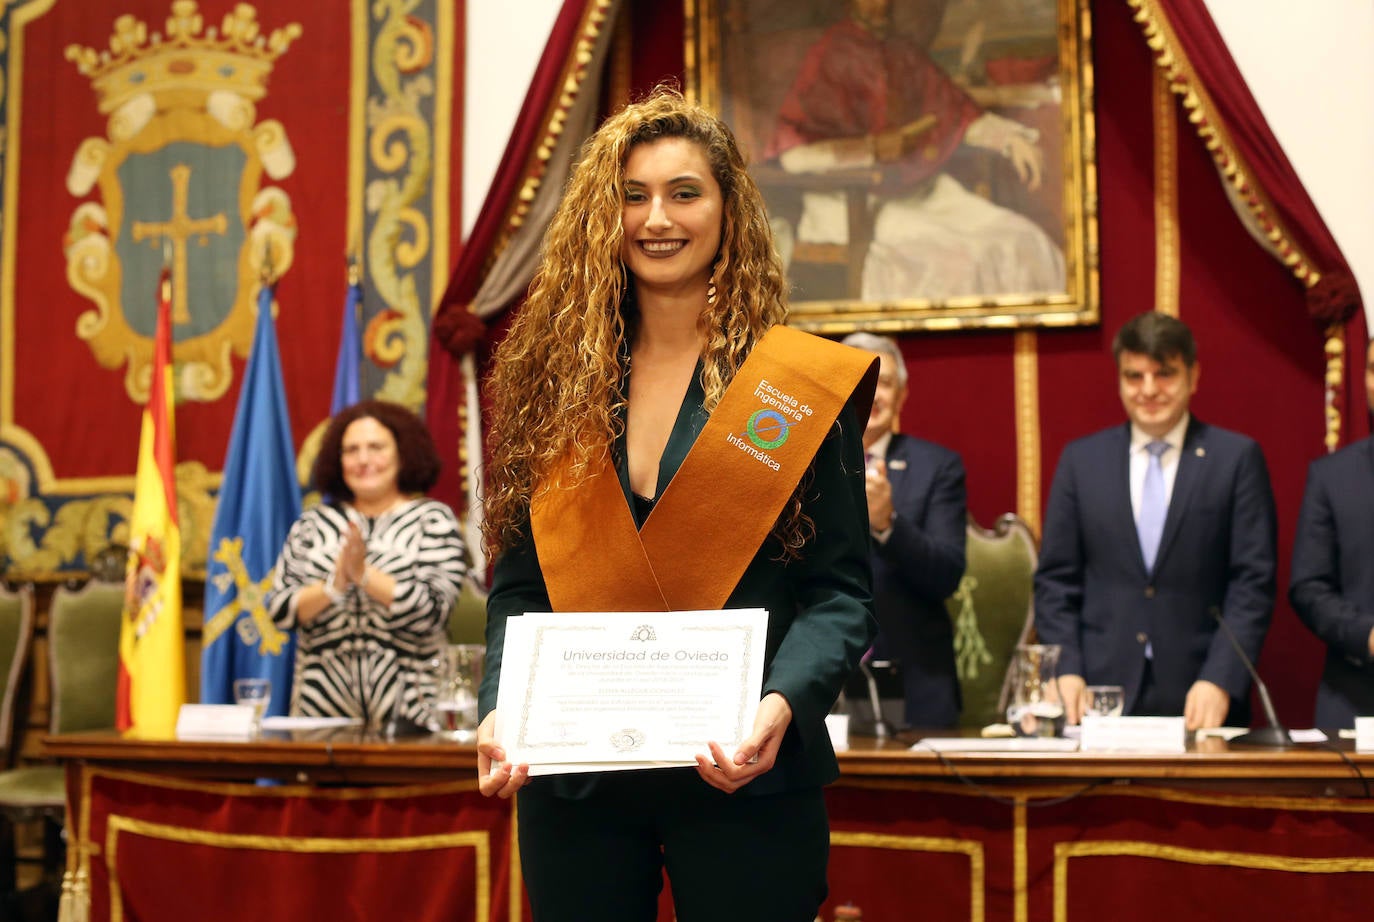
column 297, row 722
column 1308, row 735
column 591, row 691
column 984, row 744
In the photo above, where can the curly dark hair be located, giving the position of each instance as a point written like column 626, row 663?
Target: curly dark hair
column 557, row 379
column 419, row 459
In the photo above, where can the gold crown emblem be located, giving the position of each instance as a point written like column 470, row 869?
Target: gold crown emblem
column 189, row 63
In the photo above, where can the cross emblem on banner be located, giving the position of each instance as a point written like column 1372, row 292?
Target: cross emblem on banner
column 177, row 231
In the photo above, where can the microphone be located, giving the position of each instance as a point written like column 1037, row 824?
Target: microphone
column 880, row 726
column 1275, row 734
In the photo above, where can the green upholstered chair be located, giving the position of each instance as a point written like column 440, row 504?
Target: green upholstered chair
column 83, row 650
column 83, row 660
column 992, row 612
column 467, row 623
column 31, row 791
column 16, row 639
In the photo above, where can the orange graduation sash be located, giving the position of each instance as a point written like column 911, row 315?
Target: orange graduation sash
column 741, row 470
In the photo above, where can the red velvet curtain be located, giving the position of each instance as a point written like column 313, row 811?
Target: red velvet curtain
column 1217, row 98
column 1265, row 186
column 457, row 331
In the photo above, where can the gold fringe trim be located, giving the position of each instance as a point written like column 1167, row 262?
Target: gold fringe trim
column 1183, row 82
column 1166, row 198
column 1026, row 374
column 1020, row 860
column 1142, row 789
column 1063, row 851
column 574, row 75
column 116, row 825
column 517, row 874
column 1334, row 346
column 279, row 791
column 971, row 849
column 1202, row 856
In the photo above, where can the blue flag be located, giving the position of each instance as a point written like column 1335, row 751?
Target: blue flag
column 259, row 500
column 350, row 350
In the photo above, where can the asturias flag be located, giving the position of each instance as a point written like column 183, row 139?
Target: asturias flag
column 346, row 366
column 259, row 499
column 152, row 674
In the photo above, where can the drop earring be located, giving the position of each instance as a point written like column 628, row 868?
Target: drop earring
column 711, row 291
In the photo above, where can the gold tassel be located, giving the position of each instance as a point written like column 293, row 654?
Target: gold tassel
column 75, row 902
column 81, row 895
column 65, row 906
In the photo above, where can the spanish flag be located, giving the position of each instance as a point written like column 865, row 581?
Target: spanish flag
column 152, row 670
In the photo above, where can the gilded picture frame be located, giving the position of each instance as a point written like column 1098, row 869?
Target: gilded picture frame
column 927, row 164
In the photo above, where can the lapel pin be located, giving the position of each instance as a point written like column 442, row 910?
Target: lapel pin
column 896, row 464
column 1200, row 452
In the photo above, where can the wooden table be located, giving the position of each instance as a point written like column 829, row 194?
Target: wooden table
column 969, row 835
column 334, row 756
column 351, row 756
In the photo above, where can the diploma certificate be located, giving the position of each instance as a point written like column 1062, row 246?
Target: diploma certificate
column 614, row 690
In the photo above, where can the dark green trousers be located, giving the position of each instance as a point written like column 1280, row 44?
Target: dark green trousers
column 601, row 857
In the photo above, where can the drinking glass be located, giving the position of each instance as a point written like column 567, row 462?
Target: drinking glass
column 255, row 692
column 1105, row 700
column 455, row 704
column 1036, row 708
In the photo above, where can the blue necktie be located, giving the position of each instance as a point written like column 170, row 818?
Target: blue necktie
column 1154, row 505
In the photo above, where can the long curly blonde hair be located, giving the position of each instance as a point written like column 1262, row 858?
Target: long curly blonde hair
column 556, row 382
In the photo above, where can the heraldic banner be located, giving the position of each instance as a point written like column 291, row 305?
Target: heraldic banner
column 230, row 141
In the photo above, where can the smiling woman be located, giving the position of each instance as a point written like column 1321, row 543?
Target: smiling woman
column 646, row 378
column 671, row 218
column 369, row 576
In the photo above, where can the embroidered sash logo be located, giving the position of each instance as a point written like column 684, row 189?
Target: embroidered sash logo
column 768, row 427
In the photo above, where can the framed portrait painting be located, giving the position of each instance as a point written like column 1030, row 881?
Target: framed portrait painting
column 927, row 164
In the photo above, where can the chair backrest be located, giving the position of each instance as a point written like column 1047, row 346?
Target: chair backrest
column 83, row 652
column 16, row 637
column 467, row 623
column 993, row 612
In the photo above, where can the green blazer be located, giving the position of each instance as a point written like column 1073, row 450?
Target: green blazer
column 820, row 607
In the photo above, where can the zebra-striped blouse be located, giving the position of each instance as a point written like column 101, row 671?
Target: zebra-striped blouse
column 358, row 656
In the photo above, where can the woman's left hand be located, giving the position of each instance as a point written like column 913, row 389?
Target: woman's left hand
column 730, row 773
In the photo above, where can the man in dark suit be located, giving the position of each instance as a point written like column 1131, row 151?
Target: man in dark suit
column 917, row 515
column 1333, row 580
column 1153, row 531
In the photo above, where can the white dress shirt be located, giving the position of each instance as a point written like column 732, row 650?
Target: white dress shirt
column 1168, row 461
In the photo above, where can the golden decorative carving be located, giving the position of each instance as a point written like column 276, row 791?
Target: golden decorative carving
column 181, row 133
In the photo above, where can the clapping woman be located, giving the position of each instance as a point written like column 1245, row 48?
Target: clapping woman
column 369, row 575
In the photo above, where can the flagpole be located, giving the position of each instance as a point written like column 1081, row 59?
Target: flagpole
column 347, row 372
column 151, row 682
